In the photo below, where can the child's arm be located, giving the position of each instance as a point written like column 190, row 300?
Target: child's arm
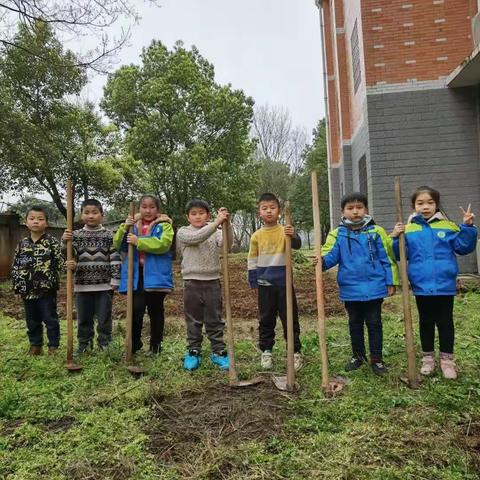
column 296, row 240
column 115, row 266
column 119, row 238
column 153, row 244
column 466, row 240
column 16, row 267
column 330, row 251
column 388, row 260
column 190, row 236
column 252, row 261
column 58, row 260
column 395, row 234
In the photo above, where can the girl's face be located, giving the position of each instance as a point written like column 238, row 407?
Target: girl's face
column 148, row 209
column 425, row 205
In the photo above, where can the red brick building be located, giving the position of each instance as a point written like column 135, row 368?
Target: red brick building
column 402, row 98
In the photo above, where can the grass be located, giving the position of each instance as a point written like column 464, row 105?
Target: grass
column 102, row 423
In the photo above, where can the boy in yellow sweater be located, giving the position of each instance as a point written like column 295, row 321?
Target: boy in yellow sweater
column 266, row 273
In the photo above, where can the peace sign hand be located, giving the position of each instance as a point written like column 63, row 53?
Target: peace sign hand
column 468, row 216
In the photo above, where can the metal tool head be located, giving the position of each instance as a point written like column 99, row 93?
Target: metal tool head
column 247, row 383
column 413, row 385
column 136, row 371
column 281, row 383
column 73, row 367
column 336, row 386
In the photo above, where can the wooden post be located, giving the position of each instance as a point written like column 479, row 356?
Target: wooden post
column 232, row 371
column 319, row 284
column 128, row 336
column 289, row 287
column 407, row 313
column 69, row 275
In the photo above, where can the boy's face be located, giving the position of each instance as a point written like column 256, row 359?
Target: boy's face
column 354, row 211
column 91, row 216
column 198, row 217
column 269, row 211
column 36, row 221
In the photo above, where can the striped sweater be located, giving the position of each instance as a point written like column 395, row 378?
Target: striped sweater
column 97, row 262
column 266, row 257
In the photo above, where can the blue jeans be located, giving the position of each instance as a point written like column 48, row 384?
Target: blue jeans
column 42, row 311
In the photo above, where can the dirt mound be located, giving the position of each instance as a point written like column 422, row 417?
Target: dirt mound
column 244, row 299
column 191, row 429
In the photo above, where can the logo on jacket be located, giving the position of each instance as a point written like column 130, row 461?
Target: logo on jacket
column 441, row 234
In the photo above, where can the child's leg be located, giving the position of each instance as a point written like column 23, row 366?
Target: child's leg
column 48, row 309
column 34, row 322
column 444, row 321
column 214, row 324
column 193, row 309
column 426, row 312
column 267, row 309
column 373, row 319
column 355, row 324
column 103, row 310
column 85, row 304
column 282, row 311
column 156, row 312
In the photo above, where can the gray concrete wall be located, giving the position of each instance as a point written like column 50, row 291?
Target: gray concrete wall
column 426, row 137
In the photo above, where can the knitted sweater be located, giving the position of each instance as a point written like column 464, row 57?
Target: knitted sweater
column 266, row 256
column 200, row 250
column 97, row 262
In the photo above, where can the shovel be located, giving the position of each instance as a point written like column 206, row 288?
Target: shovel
column 288, row 383
column 136, row 371
column 232, row 371
column 412, row 378
column 71, row 366
column 331, row 386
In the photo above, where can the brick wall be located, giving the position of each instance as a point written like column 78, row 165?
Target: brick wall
column 408, row 40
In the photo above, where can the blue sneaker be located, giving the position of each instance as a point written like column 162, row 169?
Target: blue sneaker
column 192, row 360
column 221, row 359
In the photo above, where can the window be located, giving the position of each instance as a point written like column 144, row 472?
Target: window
column 356, row 66
column 362, row 175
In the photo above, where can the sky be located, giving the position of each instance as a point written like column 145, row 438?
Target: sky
column 270, row 49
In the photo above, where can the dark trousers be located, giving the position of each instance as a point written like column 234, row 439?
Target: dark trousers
column 369, row 313
column 153, row 303
column 42, row 311
column 202, row 302
column 272, row 300
column 436, row 310
column 91, row 305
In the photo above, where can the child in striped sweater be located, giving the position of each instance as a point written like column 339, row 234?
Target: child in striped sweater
column 267, row 273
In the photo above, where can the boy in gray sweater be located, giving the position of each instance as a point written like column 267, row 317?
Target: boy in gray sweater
column 200, row 245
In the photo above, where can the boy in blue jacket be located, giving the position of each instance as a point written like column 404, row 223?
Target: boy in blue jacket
column 367, row 273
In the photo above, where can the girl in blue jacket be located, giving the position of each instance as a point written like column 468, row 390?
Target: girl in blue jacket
column 151, row 234
column 432, row 243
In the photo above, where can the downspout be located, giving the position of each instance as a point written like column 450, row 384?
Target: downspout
column 319, row 4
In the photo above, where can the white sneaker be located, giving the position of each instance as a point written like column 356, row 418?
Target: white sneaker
column 266, row 360
column 428, row 364
column 297, row 361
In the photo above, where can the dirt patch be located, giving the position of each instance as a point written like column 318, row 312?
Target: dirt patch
column 191, row 429
column 244, row 299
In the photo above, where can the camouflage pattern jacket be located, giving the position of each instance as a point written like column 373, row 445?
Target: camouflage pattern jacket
column 37, row 266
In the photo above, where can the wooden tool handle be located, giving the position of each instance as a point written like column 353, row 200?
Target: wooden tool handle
column 407, row 313
column 319, row 284
column 232, row 371
column 289, row 294
column 129, row 326
column 69, row 274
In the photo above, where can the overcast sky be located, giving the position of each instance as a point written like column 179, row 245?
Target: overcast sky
column 268, row 48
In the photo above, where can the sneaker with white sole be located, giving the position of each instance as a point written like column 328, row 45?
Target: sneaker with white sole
column 428, row 364
column 297, row 361
column 449, row 368
column 266, row 360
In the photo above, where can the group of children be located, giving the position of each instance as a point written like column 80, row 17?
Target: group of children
column 367, row 273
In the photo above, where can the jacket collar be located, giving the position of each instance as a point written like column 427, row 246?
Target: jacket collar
column 417, row 218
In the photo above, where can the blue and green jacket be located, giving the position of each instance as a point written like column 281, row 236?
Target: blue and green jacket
column 431, row 249
column 365, row 259
column 157, row 266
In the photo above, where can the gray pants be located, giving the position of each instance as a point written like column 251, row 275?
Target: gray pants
column 202, row 301
column 90, row 305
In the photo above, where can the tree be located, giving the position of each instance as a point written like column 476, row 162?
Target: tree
column 190, row 134
column 77, row 18
column 315, row 156
column 44, row 138
column 54, row 216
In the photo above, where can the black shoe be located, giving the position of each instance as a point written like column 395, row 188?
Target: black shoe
column 354, row 364
column 379, row 368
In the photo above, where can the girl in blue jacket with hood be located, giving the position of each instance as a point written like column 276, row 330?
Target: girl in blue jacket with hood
column 432, row 243
column 152, row 235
